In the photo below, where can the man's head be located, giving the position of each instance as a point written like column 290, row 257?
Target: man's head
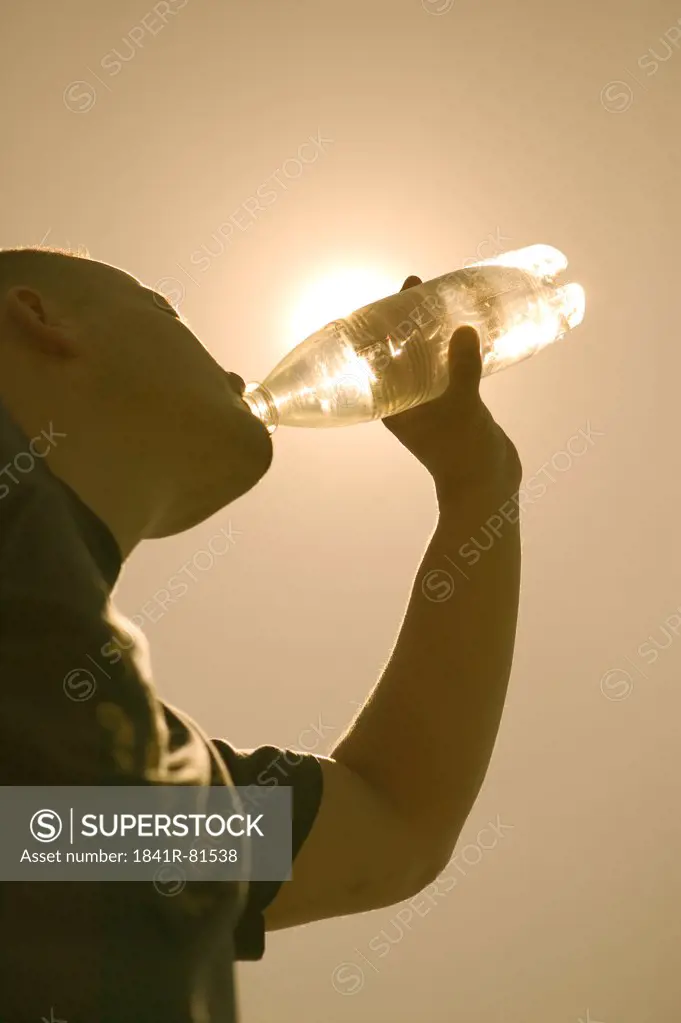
column 157, row 436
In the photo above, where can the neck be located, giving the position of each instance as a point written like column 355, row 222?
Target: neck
column 121, row 501
column 81, row 441
column 97, row 470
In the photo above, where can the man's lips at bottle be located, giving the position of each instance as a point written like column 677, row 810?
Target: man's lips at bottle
column 237, row 383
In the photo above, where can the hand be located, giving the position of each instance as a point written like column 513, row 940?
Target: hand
column 454, row 436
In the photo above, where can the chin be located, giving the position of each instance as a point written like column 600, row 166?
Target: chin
column 247, row 457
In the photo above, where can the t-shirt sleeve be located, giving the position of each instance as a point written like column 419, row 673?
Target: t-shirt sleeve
column 270, row 765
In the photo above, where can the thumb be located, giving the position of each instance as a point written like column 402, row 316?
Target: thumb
column 465, row 364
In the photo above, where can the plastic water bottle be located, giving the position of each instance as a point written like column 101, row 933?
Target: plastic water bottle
column 392, row 354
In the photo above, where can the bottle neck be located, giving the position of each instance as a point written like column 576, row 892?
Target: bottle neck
column 262, row 405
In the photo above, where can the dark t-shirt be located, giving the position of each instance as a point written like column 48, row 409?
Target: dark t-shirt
column 114, row 952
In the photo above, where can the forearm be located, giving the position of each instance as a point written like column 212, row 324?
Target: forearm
column 425, row 737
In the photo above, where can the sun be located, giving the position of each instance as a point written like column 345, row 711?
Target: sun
column 335, row 294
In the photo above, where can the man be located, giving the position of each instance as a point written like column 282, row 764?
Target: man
column 117, row 425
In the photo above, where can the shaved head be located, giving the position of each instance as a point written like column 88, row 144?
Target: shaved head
column 41, row 266
column 68, row 275
column 159, row 439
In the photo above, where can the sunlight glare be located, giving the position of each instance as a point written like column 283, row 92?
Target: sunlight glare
column 336, row 294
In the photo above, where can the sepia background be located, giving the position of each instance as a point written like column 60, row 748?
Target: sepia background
column 400, row 137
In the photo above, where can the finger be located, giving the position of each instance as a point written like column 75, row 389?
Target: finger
column 411, row 282
column 465, row 364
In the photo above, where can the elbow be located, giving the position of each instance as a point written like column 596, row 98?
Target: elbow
column 433, row 866
column 435, row 856
column 421, row 868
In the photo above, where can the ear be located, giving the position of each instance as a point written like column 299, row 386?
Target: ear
column 26, row 309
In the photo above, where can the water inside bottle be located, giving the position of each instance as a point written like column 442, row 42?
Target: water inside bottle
column 392, row 354
column 407, row 365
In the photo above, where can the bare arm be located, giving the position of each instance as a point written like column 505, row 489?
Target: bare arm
column 400, row 784
column 426, row 735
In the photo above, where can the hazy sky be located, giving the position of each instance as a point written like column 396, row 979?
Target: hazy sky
column 404, row 137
